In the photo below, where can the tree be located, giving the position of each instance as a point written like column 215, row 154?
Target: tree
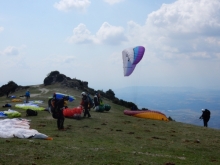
column 8, row 88
column 110, row 94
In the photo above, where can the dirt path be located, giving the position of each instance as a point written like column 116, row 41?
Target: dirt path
column 43, row 91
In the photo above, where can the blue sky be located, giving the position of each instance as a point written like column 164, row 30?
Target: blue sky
column 84, row 39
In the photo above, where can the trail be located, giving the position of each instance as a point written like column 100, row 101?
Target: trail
column 43, row 91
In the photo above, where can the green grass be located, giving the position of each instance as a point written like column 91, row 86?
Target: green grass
column 109, row 138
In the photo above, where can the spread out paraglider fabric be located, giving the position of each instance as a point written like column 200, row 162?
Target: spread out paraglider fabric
column 73, row 112
column 12, row 113
column 16, row 100
column 148, row 114
column 131, row 57
column 29, row 106
column 19, row 128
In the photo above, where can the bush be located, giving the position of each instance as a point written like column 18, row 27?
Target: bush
column 170, row 119
column 110, row 94
column 8, row 88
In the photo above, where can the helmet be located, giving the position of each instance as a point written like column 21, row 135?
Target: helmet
column 83, row 93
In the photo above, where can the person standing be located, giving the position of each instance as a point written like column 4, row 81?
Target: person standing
column 97, row 99
column 58, row 112
column 27, row 96
column 205, row 116
column 85, row 104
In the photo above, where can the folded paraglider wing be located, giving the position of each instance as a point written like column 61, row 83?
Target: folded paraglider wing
column 19, row 128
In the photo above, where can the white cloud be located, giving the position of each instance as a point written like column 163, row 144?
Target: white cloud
column 67, row 5
column 106, row 34
column 11, row 51
column 183, row 29
column 217, row 55
column 81, row 35
column 110, row 34
column 111, row 2
column 187, row 16
column 1, row 28
column 115, row 59
column 12, row 56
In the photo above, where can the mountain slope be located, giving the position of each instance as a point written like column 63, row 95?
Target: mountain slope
column 109, row 138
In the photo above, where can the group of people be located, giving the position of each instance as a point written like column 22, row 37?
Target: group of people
column 58, row 105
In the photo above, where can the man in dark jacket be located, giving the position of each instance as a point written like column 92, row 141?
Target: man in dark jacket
column 58, row 112
column 205, row 116
column 85, row 104
column 97, row 99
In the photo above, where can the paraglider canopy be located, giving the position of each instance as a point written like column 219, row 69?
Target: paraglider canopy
column 131, row 57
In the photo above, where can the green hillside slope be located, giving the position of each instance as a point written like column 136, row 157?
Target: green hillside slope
column 108, row 138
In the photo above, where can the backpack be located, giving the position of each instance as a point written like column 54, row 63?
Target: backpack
column 27, row 94
column 208, row 112
column 53, row 105
column 30, row 112
column 91, row 103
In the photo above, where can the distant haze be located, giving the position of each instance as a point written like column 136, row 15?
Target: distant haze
column 182, row 104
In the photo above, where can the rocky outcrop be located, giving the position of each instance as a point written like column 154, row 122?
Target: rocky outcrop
column 55, row 76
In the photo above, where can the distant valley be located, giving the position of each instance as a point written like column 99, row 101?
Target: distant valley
column 182, row 104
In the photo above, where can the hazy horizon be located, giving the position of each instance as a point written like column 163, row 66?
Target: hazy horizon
column 182, row 104
column 84, row 39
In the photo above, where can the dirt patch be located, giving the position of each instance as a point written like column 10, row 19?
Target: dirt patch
column 43, row 91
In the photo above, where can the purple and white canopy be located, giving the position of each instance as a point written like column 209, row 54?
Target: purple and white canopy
column 131, row 57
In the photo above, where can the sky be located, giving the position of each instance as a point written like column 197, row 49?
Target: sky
column 84, row 39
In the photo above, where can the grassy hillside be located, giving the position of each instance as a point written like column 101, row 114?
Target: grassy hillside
column 109, row 138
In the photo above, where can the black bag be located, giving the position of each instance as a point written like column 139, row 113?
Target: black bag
column 91, row 103
column 208, row 113
column 30, row 112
